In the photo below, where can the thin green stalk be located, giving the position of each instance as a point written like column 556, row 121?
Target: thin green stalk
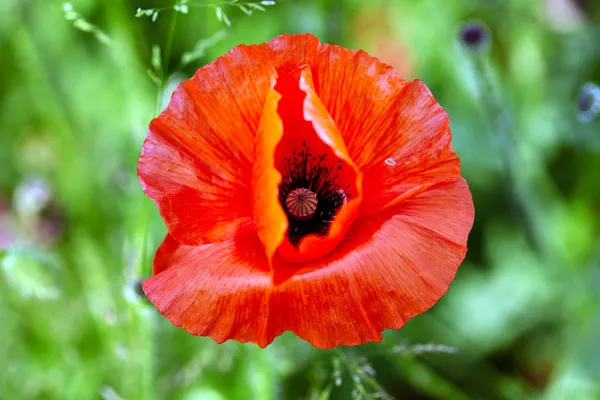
column 168, row 46
column 500, row 126
column 165, row 66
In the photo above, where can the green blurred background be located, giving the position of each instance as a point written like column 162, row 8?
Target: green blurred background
column 78, row 86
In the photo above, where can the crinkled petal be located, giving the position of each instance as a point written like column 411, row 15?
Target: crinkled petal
column 196, row 161
column 395, row 131
column 293, row 51
column 415, row 156
column 388, row 269
column 360, row 92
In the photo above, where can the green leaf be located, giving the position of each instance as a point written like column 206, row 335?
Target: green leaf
column 155, row 62
column 154, row 77
column 256, row 6
column 145, row 12
column 219, row 13
column 325, row 394
column 83, row 25
column 200, row 48
column 226, row 20
column 71, row 15
column 182, row 8
column 245, row 10
column 103, row 38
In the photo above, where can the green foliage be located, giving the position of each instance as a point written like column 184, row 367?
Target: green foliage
column 183, row 7
column 200, row 49
column 85, row 26
column 81, row 81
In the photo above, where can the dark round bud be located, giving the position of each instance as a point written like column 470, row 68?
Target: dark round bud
column 588, row 102
column 474, row 36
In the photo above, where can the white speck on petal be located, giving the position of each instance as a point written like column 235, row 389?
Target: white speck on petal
column 390, row 161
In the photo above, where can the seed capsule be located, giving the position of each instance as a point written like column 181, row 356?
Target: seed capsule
column 302, row 204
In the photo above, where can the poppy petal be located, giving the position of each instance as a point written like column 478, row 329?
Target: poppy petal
column 294, row 116
column 402, row 142
column 201, row 197
column 293, row 51
column 390, row 268
column 269, row 219
column 360, row 93
column 216, row 290
column 414, row 156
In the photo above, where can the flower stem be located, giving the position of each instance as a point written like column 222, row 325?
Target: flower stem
column 169, row 44
column 501, row 126
column 165, row 63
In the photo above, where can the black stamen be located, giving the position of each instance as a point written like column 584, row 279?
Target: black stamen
column 304, row 170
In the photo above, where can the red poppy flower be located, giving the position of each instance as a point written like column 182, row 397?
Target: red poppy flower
column 305, row 187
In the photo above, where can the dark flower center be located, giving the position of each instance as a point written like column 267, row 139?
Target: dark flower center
column 309, row 193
